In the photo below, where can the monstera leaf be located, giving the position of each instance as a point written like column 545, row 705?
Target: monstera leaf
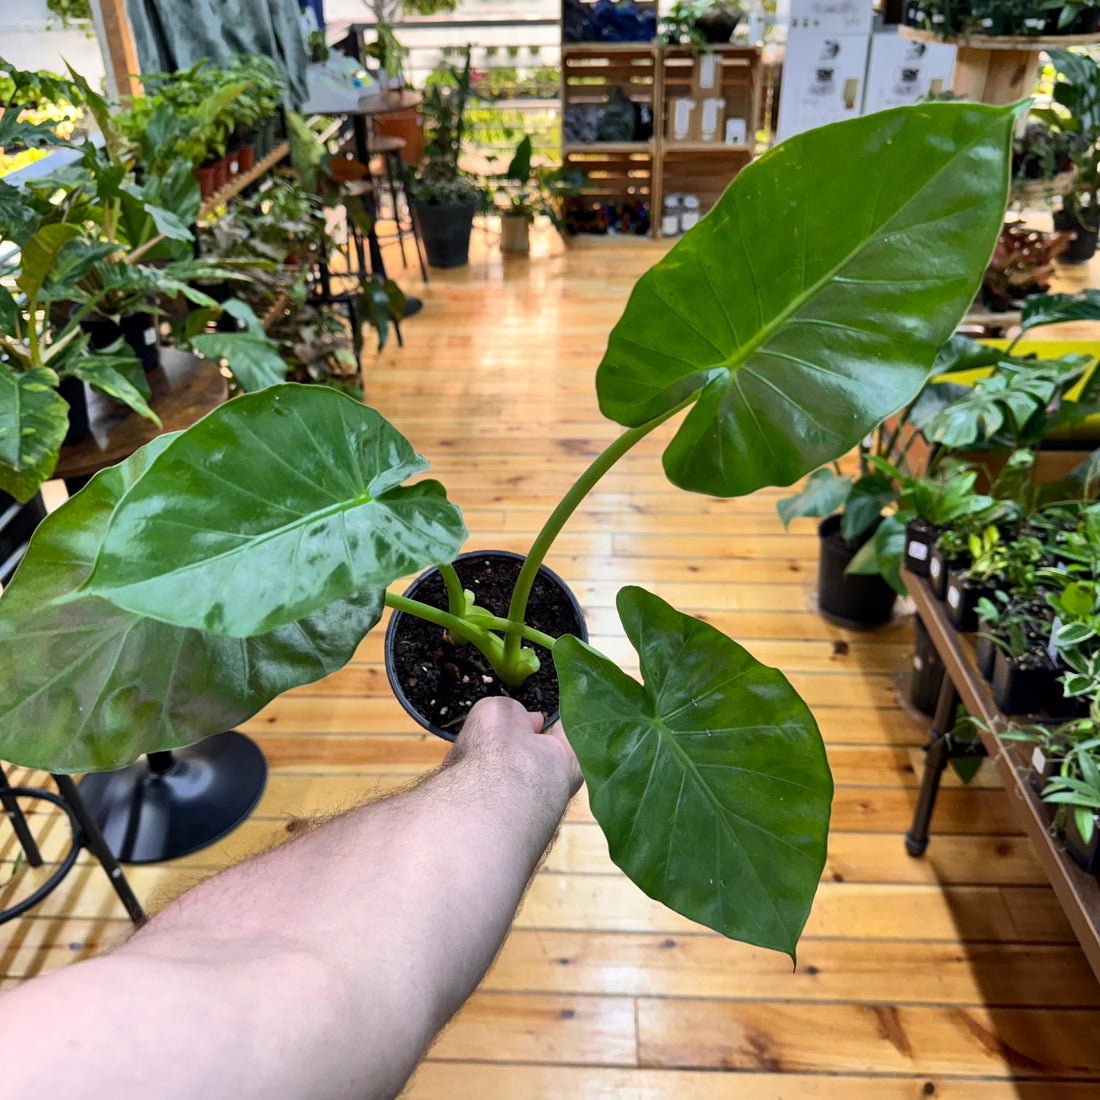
column 709, row 779
column 269, row 508
column 809, row 304
column 34, row 418
column 85, row 685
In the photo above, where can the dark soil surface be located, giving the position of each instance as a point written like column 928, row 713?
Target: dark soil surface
column 442, row 680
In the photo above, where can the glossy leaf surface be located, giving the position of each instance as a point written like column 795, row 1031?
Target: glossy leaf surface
column 824, row 492
column 253, row 358
column 109, row 371
column 34, row 418
column 85, row 685
column 269, row 508
column 709, row 780
column 810, row 303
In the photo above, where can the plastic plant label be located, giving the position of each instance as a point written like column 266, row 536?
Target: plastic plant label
column 953, row 597
column 1039, row 760
column 149, row 336
column 918, row 551
column 934, row 568
column 918, row 661
column 1052, row 645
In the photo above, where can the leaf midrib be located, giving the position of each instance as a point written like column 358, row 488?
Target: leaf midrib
column 741, row 355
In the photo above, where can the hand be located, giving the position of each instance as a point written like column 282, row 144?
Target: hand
column 499, row 729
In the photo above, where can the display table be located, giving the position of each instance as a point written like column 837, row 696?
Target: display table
column 1078, row 893
column 184, row 387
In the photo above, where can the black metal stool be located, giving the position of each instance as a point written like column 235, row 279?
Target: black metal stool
column 389, row 150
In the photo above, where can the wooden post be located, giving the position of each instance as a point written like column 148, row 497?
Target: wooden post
column 116, row 43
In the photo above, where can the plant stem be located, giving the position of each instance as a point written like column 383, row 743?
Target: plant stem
column 456, row 597
column 468, row 631
column 566, row 507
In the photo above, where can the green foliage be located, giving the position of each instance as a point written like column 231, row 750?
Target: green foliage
column 714, row 800
column 283, row 502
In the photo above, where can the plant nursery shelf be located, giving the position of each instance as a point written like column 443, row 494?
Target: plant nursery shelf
column 717, row 147
column 996, row 42
column 599, row 49
column 1077, row 892
column 609, row 147
column 239, row 182
column 979, row 317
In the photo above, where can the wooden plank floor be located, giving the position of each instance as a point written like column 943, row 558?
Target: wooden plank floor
column 954, row 976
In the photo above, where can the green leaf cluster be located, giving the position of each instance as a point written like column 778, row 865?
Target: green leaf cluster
column 805, row 308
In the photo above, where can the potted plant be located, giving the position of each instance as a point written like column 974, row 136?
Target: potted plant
column 1022, row 265
column 386, row 49
column 528, row 191
column 444, row 198
column 709, row 778
column 718, row 19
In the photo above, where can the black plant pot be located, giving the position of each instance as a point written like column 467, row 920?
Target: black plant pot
column 1045, row 764
column 920, row 538
column 1021, row 690
column 1083, row 246
column 438, row 681
column 1086, row 856
column 861, row 601
column 1061, row 705
column 717, row 28
column 445, row 231
column 961, row 596
column 139, row 330
column 17, row 523
column 938, row 568
column 985, row 650
column 76, row 393
column 928, row 671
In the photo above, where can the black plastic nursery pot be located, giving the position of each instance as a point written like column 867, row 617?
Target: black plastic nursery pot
column 861, row 601
column 438, row 681
column 1022, row 686
column 938, row 566
column 1086, row 856
column 920, row 538
column 76, row 393
column 962, row 596
column 985, row 649
column 928, row 672
column 1083, row 245
column 139, row 330
column 445, row 231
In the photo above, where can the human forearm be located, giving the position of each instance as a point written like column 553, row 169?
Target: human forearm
column 361, row 937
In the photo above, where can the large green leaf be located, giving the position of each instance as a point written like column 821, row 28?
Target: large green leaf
column 39, row 254
column 109, row 371
column 709, row 780
column 85, row 685
column 34, row 418
column 269, row 508
column 824, row 492
column 253, row 358
column 809, row 304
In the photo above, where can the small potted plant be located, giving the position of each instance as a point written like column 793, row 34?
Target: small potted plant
column 528, row 191
column 1022, row 265
column 708, row 776
column 445, row 198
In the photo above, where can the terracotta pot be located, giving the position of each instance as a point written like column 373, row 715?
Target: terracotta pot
column 205, row 176
column 247, row 157
column 221, row 174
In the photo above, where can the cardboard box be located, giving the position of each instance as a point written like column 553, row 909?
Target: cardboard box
column 832, row 16
column 706, row 77
column 823, row 80
column 900, row 72
column 712, row 119
column 683, row 120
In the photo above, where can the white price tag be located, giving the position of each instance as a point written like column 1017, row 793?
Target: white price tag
column 934, row 568
column 953, row 597
column 918, row 551
column 1039, row 760
column 150, row 336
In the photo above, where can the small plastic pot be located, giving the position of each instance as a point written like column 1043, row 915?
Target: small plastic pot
column 246, row 156
column 938, row 567
column 859, row 601
column 205, row 176
column 139, row 330
column 76, row 394
column 1086, row 856
column 1082, row 247
column 962, row 596
column 471, row 569
column 985, row 650
column 928, row 671
column 920, row 538
column 1021, row 690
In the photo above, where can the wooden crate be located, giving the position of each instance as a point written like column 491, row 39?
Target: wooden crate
column 705, row 174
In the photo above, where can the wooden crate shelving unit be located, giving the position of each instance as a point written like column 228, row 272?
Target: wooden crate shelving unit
column 651, row 74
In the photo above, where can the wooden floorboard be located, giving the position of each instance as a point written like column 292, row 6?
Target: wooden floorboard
column 955, row 976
